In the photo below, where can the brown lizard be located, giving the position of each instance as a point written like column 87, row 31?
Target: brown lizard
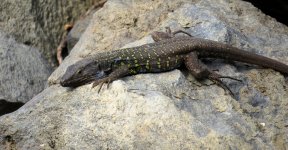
column 166, row 54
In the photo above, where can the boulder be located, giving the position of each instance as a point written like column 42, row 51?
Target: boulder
column 169, row 110
column 40, row 23
column 23, row 71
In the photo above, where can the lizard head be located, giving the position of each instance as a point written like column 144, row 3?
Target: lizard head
column 82, row 72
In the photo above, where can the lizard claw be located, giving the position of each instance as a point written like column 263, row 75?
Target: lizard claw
column 217, row 80
column 172, row 34
column 95, row 83
column 101, row 82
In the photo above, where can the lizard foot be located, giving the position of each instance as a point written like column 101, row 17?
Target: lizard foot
column 159, row 36
column 217, row 80
column 168, row 30
column 101, row 82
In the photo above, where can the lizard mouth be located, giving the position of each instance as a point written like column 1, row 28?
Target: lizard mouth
column 76, row 82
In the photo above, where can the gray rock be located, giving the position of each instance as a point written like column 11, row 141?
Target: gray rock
column 40, row 23
column 78, row 29
column 167, row 110
column 23, row 72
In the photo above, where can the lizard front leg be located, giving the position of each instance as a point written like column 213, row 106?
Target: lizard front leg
column 116, row 74
column 201, row 71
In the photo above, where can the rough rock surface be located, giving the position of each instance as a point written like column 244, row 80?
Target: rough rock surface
column 79, row 28
column 167, row 110
column 23, row 72
column 40, row 23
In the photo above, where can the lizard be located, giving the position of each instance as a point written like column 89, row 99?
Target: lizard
column 166, row 53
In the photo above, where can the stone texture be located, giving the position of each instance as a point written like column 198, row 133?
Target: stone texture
column 40, row 23
column 79, row 28
column 167, row 110
column 23, row 72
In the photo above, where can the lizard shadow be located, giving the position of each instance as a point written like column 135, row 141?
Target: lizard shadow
column 232, row 85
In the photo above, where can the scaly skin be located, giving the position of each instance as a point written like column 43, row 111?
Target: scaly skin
column 167, row 54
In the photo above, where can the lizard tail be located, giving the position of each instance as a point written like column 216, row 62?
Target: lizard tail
column 214, row 49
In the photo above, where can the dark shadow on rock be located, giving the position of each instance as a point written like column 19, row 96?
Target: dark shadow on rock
column 8, row 107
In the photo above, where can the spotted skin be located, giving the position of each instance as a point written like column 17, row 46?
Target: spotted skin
column 164, row 55
column 142, row 59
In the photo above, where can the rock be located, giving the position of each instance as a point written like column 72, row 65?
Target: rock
column 23, row 72
column 40, row 23
column 79, row 28
column 276, row 9
column 168, row 110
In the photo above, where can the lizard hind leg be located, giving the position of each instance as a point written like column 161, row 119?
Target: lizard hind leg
column 159, row 36
column 201, row 71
